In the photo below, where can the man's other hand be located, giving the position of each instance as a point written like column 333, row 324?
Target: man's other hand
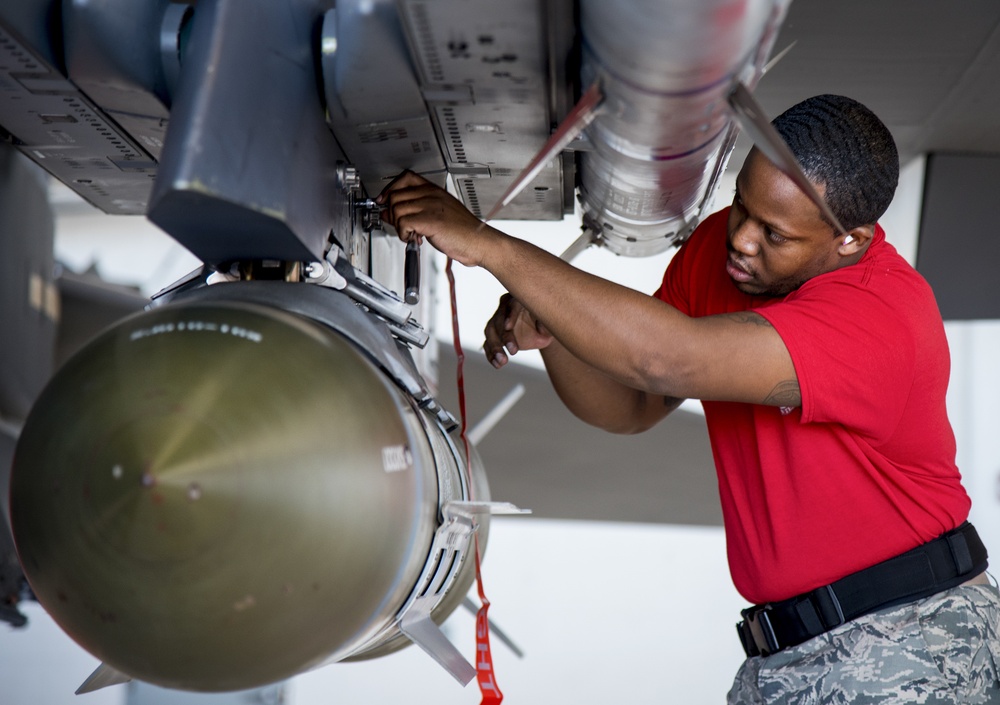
column 512, row 327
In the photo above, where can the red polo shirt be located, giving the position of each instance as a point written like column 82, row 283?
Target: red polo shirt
column 865, row 468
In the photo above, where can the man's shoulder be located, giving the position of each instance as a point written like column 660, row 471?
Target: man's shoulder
column 882, row 273
column 881, row 292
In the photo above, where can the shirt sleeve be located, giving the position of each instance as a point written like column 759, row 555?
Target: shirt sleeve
column 688, row 273
column 853, row 353
column 672, row 289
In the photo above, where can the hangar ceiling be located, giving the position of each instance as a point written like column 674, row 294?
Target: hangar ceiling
column 928, row 69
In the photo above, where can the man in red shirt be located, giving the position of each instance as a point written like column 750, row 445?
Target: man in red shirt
column 822, row 364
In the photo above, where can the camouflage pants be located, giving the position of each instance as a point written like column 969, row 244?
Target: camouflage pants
column 942, row 649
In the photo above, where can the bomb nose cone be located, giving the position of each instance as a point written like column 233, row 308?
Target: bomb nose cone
column 157, row 488
column 217, row 496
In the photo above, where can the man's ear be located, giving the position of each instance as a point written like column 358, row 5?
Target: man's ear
column 856, row 240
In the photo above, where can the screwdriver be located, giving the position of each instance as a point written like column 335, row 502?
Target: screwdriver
column 411, row 264
column 411, row 273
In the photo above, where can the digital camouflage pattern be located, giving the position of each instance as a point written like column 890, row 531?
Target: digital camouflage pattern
column 944, row 649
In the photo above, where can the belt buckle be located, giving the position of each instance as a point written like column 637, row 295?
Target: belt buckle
column 761, row 631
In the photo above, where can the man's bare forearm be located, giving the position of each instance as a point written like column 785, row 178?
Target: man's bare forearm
column 599, row 400
column 632, row 338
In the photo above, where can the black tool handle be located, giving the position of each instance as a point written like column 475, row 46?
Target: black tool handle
column 411, row 273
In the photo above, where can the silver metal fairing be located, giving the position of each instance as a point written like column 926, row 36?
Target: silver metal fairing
column 665, row 68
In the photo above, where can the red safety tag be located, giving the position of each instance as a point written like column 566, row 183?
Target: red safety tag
column 484, row 658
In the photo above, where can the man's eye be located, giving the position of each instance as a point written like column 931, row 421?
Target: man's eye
column 773, row 236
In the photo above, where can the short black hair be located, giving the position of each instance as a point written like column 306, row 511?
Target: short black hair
column 843, row 145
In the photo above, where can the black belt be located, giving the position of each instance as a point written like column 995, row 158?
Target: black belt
column 943, row 563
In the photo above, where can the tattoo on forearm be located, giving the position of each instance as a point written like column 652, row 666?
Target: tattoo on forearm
column 785, row 393
column 749, row 317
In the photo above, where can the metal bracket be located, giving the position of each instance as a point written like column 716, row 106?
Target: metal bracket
column 336, row 272
column 448, row 551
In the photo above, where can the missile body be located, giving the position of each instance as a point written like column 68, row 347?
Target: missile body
column 665, row 132
column 219, row 494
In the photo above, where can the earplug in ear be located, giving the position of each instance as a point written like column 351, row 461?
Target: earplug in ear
column 848, row 240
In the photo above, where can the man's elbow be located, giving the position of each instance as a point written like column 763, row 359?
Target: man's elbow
column 646, row 414
column 617, row 426
column 630, row 429
column 675, row 378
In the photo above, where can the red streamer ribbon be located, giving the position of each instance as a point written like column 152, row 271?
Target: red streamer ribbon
column 484, row 657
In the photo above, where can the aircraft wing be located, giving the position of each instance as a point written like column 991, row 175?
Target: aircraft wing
column 226, row 116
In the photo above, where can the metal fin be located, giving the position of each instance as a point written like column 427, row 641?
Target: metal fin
column 102, row 677
column 423, row 632
column 493, row 417
column 495, row 630
column 753, row 119
column 588, row 237
column 454, row 538
column 778, row 57
column 582, row 114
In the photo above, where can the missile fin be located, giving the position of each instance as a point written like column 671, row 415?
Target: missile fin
column 102, row 677
column 588, row 237
column 486, row 424
column 451, row 543
column 754, row 120
column 423, row 632
column 579, row 117
column 495, row 629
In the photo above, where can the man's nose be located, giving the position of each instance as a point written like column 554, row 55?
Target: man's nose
column 744, row 239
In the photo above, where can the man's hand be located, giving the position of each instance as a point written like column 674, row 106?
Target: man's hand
column 512, row 327
column 419, row 209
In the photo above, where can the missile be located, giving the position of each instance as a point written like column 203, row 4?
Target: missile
column 665, row 130
column 656, row 123
column 243, row 484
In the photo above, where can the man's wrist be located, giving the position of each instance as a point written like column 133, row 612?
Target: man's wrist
column 496, row 251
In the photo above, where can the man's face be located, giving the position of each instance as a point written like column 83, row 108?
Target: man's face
column 777, row 239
